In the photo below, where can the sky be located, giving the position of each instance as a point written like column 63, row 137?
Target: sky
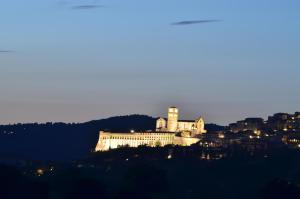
column 79, row 60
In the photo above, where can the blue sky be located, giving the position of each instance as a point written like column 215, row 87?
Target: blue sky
column 62, row 63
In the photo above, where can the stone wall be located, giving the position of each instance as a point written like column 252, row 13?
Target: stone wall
column 109, row 140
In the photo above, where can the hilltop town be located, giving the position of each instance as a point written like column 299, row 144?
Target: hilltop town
column 280, row 128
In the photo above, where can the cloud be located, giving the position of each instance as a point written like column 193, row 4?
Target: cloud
column 191, row 22
column 6, row 51
column 86, row 7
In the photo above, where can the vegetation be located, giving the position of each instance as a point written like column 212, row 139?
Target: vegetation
column 169, row 172
column 66, row 142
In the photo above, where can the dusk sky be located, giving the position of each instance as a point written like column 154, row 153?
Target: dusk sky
column 78, row 60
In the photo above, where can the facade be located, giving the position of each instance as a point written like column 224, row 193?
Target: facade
column 173, row 124
column 170, row 131
column 283, row 121
column 249, row 124
column 277, row 122
column 292, row 139
column 108, row 140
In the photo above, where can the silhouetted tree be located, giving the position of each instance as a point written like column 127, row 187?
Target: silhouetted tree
column 143, row 181
column 278, row 189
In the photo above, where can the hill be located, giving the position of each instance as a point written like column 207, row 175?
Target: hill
column 62, row 141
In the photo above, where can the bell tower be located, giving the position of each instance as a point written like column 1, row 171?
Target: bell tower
column 172, row 119
column 200, row 126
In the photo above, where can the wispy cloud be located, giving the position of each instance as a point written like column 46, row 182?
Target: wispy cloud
column 86, row 7
column 6, row 51
column 191, row 22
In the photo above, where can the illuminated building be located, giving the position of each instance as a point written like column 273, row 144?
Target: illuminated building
column 171, row 131
column 249, row 124
column 109, row 140
column 284, row 121
column 292, row 139
column 277, row 122
column 173, row 124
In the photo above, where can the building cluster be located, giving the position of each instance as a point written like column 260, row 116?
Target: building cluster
column 252, row 133
column 277, row 122
column 281, row 127
column 249, row 124
column 169, row 131
column 284, row 121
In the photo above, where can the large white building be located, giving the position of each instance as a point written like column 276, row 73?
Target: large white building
column 173, row 124
column 168, row 131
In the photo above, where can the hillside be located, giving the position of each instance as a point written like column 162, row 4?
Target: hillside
column 61, row 141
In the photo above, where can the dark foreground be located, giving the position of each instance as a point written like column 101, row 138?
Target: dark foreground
column 170, row 172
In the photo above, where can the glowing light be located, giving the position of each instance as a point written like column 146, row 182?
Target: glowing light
column 132, row 131
column 285, row 129
column 169, row 156
column 208, row 157
column 40, row 172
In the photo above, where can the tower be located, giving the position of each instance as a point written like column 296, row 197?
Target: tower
column 200, row 126
column 172, row 119
column 161, row 124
